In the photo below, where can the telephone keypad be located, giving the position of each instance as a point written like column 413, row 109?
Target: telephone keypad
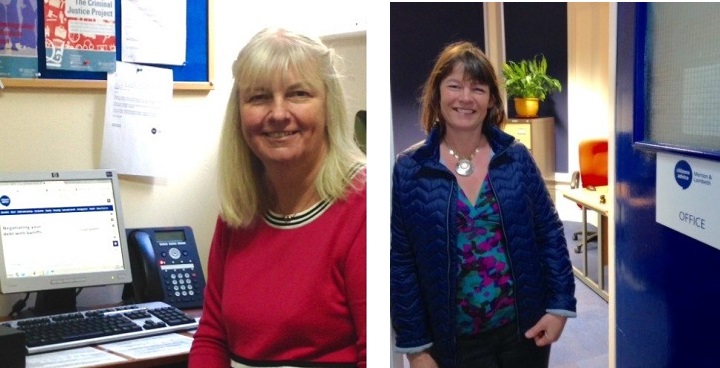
column 182, row 286
column 171, row 254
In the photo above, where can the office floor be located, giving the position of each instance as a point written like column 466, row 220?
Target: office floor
column 576, row 258
column 584, row 343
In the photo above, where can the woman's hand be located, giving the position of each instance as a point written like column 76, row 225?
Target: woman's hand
column 547, row 330
column 421, row 360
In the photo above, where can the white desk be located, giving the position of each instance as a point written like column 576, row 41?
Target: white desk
column 166, row 351
column 589, row 199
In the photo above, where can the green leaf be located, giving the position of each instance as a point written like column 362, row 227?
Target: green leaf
column 529, row 78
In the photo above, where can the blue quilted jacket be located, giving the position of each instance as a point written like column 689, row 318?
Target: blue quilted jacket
column 424, row 264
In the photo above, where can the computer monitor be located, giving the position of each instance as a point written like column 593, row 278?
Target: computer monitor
column 60, row 231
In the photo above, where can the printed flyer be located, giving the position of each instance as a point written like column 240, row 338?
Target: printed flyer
column 18, row 38
column 80, row 35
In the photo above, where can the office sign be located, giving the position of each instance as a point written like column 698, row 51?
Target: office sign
column 688, row 191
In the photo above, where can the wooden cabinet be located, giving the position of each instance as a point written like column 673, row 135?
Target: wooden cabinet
column 538, row 135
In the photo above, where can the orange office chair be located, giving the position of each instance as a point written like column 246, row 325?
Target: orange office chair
column 593, row 154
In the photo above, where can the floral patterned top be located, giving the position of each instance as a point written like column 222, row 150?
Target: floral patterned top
column 485, row 297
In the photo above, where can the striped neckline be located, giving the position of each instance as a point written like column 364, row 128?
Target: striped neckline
column 294, row 220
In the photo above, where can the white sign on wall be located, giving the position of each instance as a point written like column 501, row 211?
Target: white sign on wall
column 688, row 192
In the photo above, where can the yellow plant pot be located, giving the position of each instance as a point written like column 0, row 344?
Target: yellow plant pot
column 527, row 107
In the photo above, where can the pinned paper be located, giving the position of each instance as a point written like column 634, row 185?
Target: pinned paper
column 136, row 114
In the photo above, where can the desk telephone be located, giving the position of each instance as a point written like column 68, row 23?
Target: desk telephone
column 165, row 267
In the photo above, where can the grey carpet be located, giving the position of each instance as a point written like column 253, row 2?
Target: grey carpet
column 584, row 342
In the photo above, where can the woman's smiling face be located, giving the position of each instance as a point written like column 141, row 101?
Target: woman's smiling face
column 464, row 102
column 285, row 121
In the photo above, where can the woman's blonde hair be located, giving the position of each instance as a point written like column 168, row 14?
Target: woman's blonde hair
column 477, row 68
column 267, row 57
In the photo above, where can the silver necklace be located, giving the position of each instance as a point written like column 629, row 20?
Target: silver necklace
column 291, row 216
column 464, row 166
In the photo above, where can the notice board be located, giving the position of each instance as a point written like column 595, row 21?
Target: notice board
column 194, row 74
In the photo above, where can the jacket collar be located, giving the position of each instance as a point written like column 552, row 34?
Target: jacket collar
column 429, row 150
column 499, row 140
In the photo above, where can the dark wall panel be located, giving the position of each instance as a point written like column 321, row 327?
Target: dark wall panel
column 418, row 32
column 541, row 28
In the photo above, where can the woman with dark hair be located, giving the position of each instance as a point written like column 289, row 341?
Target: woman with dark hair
column 480, row 272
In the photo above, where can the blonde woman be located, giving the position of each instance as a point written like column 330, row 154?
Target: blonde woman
column 286, row 271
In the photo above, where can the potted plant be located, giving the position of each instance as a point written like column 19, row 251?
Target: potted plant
column 529, row 82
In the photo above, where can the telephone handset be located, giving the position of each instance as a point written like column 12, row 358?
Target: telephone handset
column 165, row 267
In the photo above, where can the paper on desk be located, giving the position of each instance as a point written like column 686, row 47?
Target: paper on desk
column 137, row 108
column 148, row 347
column 154, row 32
column 73, row 358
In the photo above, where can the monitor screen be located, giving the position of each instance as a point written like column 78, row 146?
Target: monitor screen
column 61, row 230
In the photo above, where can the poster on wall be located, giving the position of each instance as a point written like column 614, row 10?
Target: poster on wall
column 80, row 35
column 18, row 38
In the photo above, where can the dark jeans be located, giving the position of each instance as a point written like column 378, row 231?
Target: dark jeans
column 501, row 348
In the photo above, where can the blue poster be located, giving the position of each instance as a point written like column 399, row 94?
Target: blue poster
column 18, row 38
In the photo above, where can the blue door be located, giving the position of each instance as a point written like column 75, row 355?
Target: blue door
column 667, row 284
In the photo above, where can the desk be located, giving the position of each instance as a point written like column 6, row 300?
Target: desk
column 173, row 359
column 589, row 199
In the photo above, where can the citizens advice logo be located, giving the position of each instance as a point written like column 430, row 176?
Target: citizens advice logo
column 685, row 175
column 5, row 200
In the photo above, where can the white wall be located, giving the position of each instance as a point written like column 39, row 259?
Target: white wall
column 62, row 129
column 590, row 102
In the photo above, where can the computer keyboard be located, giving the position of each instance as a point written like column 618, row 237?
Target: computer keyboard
column 91, row 327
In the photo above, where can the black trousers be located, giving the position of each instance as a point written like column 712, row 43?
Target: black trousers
column 502, row 347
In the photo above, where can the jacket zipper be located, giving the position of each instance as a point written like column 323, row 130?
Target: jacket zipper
column 451, row 281
column 507, row 244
